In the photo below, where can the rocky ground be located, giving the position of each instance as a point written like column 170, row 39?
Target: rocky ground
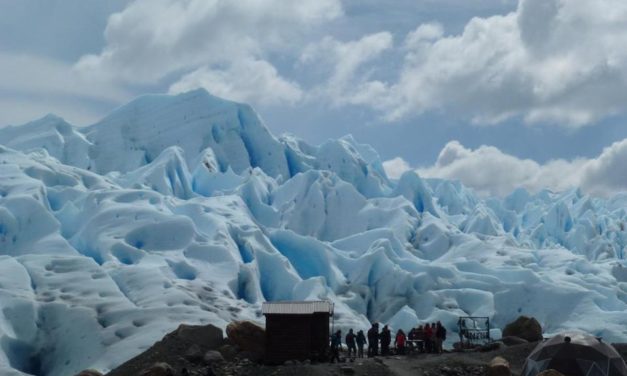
column 203, row 351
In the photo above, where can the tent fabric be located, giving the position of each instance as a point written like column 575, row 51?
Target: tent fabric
column 575, row 354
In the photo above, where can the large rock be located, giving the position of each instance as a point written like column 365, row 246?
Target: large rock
column 212, row 356
column 207, row 336
column 158, row 369
column 524, row 327
column 247, row 336
column 499, row 367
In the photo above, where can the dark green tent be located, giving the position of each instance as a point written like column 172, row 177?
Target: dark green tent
column 575, row 354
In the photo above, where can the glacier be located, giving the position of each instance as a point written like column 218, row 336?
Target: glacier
column 186, row 208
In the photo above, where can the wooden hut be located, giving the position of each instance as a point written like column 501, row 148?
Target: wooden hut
column 297, row 330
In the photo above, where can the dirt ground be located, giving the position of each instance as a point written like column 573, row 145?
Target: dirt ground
column 447, row 364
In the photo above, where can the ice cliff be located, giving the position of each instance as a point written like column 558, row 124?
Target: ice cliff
column 186, row 209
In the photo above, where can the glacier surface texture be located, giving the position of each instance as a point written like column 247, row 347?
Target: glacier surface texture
column 185, row 209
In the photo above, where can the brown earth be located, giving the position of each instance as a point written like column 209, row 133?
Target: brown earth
column 184, row 348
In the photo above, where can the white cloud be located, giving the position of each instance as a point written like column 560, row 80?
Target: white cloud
column 556, row 61
column 151, row 39
column 17, row 111
column 395, row 167
column 491, row 172
column 347, row 83
column 27, row 74
column 246, row 81
column 607, row 174
column 33, row 86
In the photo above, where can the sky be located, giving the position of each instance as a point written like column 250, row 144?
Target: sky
column 499, row 94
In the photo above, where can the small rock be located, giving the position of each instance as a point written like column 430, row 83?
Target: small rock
column 492, row 346
column 346, row 370
column 158, row 369
column 254, row 357
column 499, row 367
column 229, row 352
column 212, row 356
column 550, row 372
column 194, row 354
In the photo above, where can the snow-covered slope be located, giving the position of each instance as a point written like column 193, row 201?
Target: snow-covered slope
column 186, row 209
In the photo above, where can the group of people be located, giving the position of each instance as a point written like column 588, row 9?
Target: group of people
column 427, row 338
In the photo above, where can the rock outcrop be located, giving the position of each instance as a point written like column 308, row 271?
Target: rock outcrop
column 248, row 336
column 527, row 328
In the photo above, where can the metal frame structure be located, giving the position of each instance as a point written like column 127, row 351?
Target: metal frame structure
column 475, row 335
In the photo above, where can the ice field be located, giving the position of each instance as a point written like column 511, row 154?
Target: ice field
column 186, row 209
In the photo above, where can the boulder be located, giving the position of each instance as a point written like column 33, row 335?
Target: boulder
column 527, row 328
column 550, row 372
column 247, row 336
column 212, row 356
column 89, row 372
column 158, row 369
column 513, row 341
column 499, row 366
column 206, row 336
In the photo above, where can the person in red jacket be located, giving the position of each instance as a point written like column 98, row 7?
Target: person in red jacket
column 428, row 335
column 400, row 342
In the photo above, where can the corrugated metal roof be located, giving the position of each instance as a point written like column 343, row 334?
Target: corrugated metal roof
column 297, row 308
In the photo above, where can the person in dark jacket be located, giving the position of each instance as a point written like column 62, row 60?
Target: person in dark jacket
column 386, row 339
column 373, row 340
column 440, row 337
column 361, row 341
column 350, row 344
column 420, row 336
column 336, row 344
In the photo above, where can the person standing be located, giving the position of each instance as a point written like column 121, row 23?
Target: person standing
column 350, row 344
column 386, row 339
column 336, row 344
column 428, row 333
column 361, row 341
column 399, row 342
column 420, row 336
column 411, row 340
column 440, row 335
column 373, row 340
column 433, row 339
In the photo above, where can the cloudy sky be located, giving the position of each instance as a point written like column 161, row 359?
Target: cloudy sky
column 495, row 93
